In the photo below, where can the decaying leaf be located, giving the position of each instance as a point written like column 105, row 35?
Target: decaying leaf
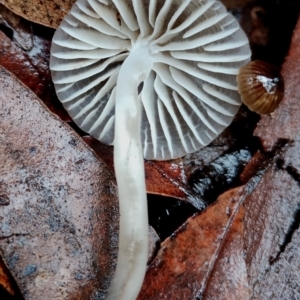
column 271, row 219
column 281, row 282
column 237, row 247
column 18, row 29
column 228, row 278
column 59, row 218
column 50, row 13
column 154, row 244
column 186, row 262
column 257, row 256
column 45, row 12
column 284, row 122
column 5, row 280
column 272, row 211
column 32, row 68
column 258, row 162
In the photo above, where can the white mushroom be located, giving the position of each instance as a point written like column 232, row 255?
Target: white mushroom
column 156, row 79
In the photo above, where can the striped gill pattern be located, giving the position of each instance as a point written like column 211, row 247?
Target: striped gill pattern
column 189, row 97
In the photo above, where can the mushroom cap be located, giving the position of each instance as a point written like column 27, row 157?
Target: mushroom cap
column 189, row 97
column 261, row 86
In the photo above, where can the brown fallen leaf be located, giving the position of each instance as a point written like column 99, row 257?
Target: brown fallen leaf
column 5, row 280
column 257, row 162
column 263, row 251
column 231, row 249
column 271, row 219
column 32, row 68
column 272, row 210
column 257, row 256
column 59, row 212
column 154, row 244
column 228, row 278
column 18, row 29
column 186, row 263
column 44, row 12
column 50, row 13
column 284, row 123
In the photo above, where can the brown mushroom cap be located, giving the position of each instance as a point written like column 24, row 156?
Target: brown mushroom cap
column 261, row 86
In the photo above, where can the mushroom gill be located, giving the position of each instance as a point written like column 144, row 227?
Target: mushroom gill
column 156, row 79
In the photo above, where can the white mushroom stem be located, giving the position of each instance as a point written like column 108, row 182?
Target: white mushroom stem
column 189, row 97
column 130, row 174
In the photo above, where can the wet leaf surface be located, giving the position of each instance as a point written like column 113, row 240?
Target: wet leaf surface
column 16, row 28
column 154, row 244
column 240, row 245
column 5, row 280
column 44, row 12
column 272, row 253
column 258, row 162
column 32, row 67
column 186, row 261
column 254, row 253
column 271, row 222
column 58, row 231
column 244, row 249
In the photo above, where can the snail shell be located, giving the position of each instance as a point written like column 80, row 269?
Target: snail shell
column 261, row 86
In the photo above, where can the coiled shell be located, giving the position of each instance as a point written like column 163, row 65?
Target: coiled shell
column 261, row 86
